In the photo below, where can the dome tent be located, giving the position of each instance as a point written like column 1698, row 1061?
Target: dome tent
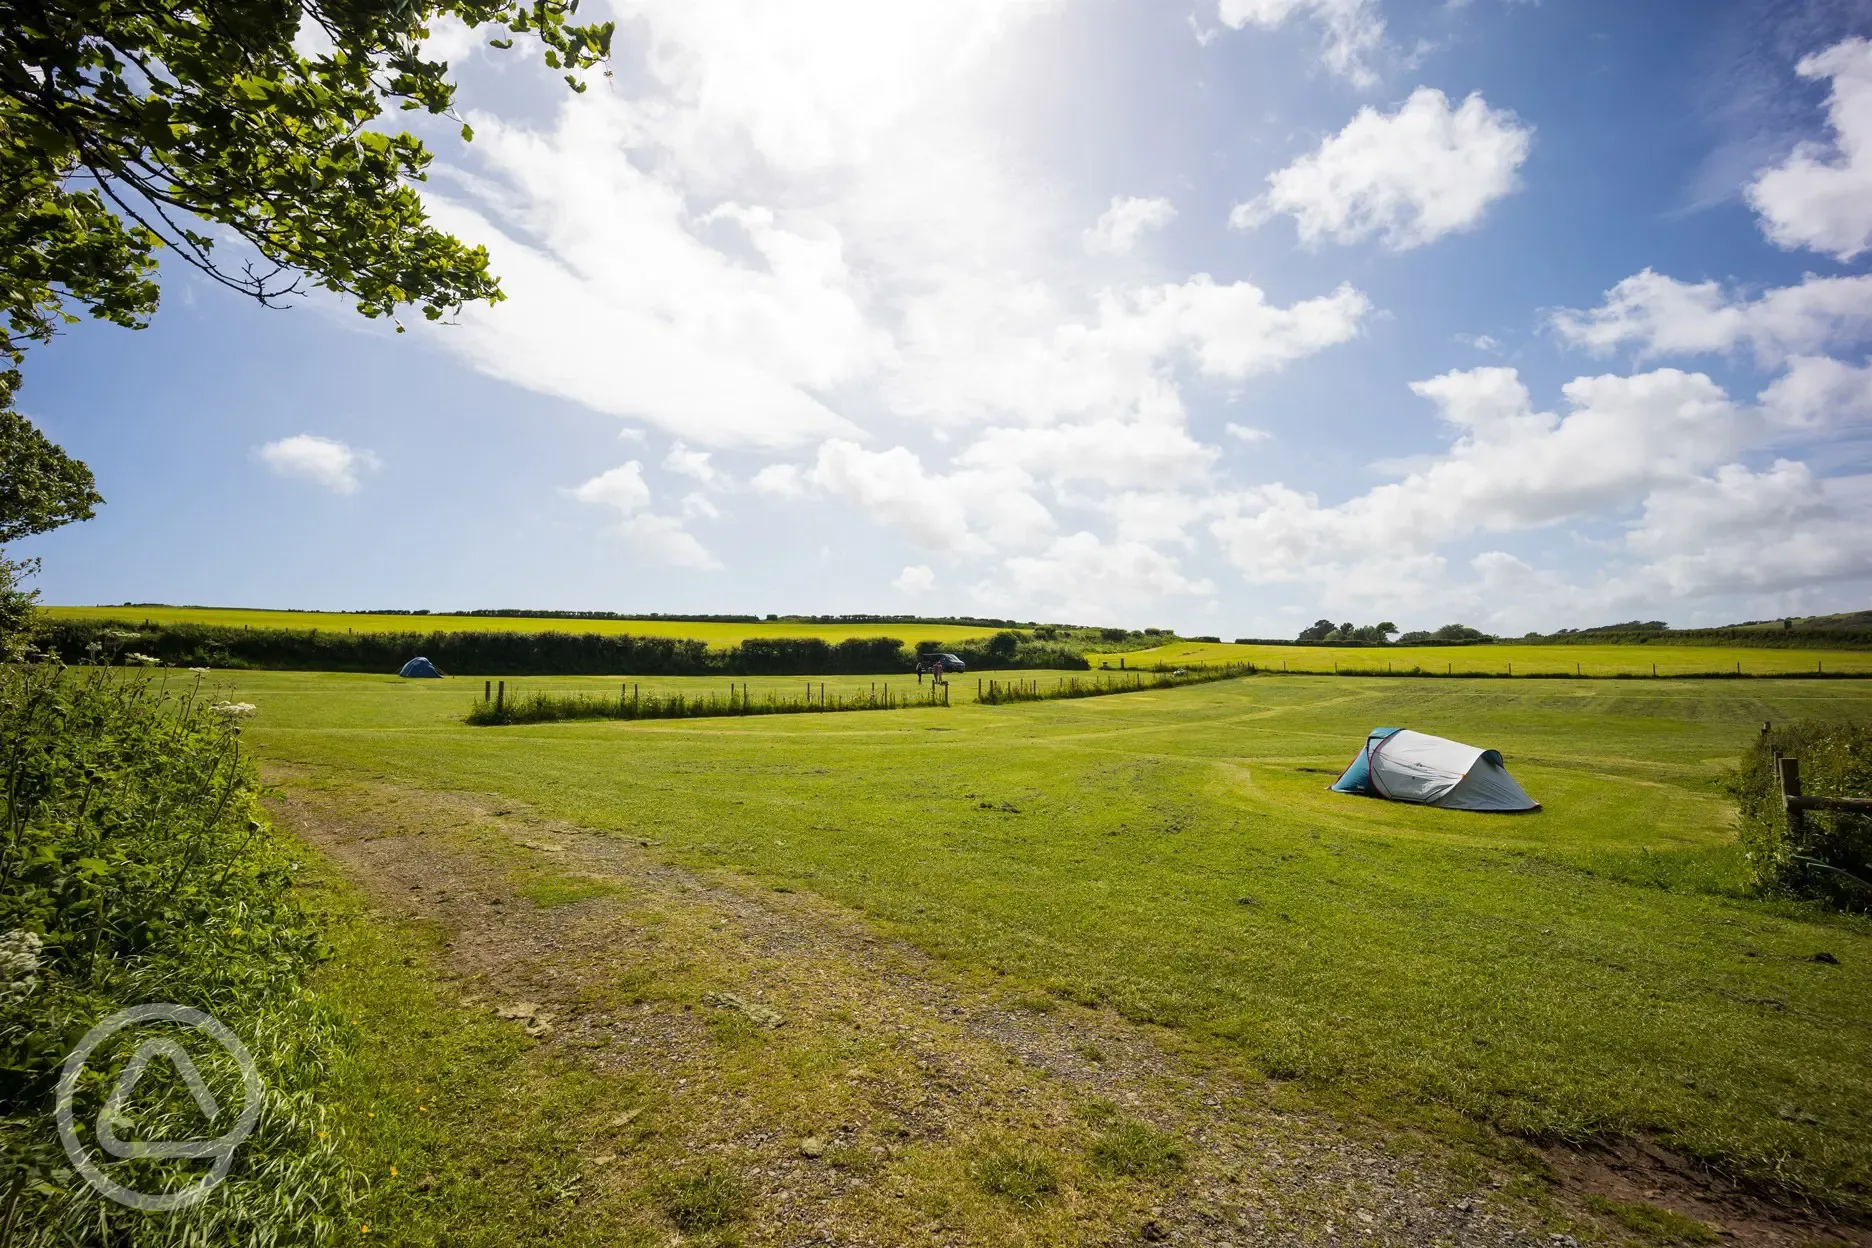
column 420, row 666
column 1407, row 766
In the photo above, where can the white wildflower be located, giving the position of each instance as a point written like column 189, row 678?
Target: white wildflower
column 19, row 959
column 199, row 671
column 143, row 659
column 233, row 710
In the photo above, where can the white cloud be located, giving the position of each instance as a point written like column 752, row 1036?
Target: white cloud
column 697, row 505
column 1353, row 29
column 1817, row 392
column 693, row 464
column 326, row 461
column 1120, row 226
column 664, row 539
column 1247, row 433
column 1663, row 316
column 661, row 538
column 1510, row 468
column 917, row 578
column 779, row 481
column 623, row 489
column 1115, row 453
column 978, row 354
column 1481, row 342
column 974, row 510
column 1820, row 197
column 1081, row 576
column 1409, row 177
column 1737, row 531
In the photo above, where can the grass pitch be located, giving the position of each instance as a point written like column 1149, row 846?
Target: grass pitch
column 1592, row 970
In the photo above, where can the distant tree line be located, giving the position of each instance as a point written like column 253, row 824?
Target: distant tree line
column 1327, row 633
column 548, row 653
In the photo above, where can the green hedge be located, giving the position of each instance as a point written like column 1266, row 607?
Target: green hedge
column 525, row 654
column 1832, row 861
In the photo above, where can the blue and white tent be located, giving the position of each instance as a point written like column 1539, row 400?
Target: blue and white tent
column 420, row 666
column 1407, row 766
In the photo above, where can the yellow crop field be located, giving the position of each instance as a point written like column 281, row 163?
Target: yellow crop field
column 716, row 634
column 1508, row 659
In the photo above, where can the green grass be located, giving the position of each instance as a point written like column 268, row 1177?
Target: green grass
column 1132, row 1149
column 1666, row 1225
column 1019, row 1175
column 1495, row 660
column 716, row 634
column 1594, row 969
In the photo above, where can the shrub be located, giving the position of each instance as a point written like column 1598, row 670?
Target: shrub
column 137, row 866
column 1831, row 861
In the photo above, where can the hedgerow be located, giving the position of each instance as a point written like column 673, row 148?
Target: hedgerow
column 137, row 866
column 1830, row 861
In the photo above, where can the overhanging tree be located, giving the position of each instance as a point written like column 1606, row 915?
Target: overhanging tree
column 130, row 128
column 125, row 125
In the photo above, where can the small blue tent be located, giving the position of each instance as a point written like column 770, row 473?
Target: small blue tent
column 420, row 666
column 1407, row 766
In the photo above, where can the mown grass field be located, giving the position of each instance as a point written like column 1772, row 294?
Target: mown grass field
column 721, row 635
column 1497, row 660
column 1592, row 970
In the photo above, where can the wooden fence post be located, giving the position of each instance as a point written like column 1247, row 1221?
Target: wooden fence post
column 1791, row 788
column 500, row 697
column 487, row 691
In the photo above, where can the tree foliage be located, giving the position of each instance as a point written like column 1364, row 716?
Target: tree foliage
column 133, row 126
column 41, row 487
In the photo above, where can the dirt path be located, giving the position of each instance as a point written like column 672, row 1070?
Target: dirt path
column 863, row 1094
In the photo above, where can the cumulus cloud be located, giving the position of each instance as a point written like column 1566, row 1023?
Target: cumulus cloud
column 1025, row 358
column 692, row 463
column 1129, row 218
column 1816, row 392
column 1082, row 576
column 1407, row 177
column 1660, row 315
column 917, row 578
column 325, row 461
column 1738, row 531
column 1820, row 197
column 1510, row 468
column 659, row 538
column 1246, row 433
column 971, row 511
column 1352, row 30
column 622, row 489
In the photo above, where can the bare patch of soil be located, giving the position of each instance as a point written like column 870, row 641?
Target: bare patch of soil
column 1643, row 1172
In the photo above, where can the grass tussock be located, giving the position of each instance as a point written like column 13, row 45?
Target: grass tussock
column 1134, row 1150
column 704, row 1200
column 1022, row 1176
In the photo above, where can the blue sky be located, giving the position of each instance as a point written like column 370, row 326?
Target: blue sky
column 1222, row 317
